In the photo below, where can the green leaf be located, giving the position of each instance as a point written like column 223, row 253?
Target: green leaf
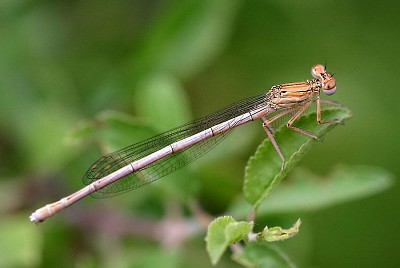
column 307, row 192
column 20, row 244
column 263, row 170
column 111, row 130
column 222, row 232
column 149, row 257
column 262, row 255
column 186, row 37
column 162, row 102
column 277, row 233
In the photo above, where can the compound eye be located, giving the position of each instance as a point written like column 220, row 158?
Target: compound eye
column 329, row 87
column 317, row 70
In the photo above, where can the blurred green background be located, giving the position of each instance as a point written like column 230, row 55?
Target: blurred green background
column 65, row 65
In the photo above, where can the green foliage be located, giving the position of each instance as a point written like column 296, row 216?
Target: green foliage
column 263, row 170
column 110, row 130
column 261, row 177
column 83, row 78
column 16, row 250
column 307, row 192
column 153, row 102
column 222, row 232
column 277, row 233
column 186, row 38
column 264, row 256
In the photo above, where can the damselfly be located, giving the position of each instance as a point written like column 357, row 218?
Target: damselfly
column 151, row 159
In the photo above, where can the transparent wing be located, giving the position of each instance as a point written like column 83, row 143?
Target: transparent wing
column 118, row 159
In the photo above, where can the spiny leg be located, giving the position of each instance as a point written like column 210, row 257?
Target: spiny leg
column 273, row 141
column 319, row 120
column 300, row 111
column 334, row 103
column 268, row 129
column 296, row 116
